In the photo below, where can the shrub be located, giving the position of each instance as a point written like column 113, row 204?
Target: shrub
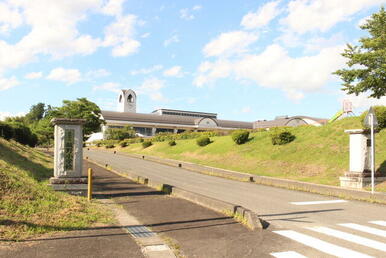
column 164, row 136
column 22, row 134
column 6, row 131
column 98, row 144
column 380, row 112
column 109, row 146
column 123, row 144
column 120, row 133
column 203, row 140
column 280, row 137
column 146, row 144
column 240, row 136
column 172, row 143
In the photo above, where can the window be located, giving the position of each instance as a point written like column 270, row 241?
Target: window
column 120, row 98
column 69, row 149
column 130, row 98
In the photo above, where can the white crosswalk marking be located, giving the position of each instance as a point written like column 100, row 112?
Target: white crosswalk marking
column 379, row 222
column 318, row 202
column 366, row 229
column 320, row 245
column 289, row 254
column 350, row 237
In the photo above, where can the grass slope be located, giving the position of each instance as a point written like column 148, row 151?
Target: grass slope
column 28, row 206
column 318, row 154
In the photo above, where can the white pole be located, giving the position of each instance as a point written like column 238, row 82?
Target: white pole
column 372, row 152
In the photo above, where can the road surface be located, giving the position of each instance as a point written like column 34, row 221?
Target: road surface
column 328, row 225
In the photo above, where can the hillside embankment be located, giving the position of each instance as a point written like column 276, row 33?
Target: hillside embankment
column 318, row 154
column 28, row 206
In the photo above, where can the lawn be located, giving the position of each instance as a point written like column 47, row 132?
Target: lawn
column 318, row 154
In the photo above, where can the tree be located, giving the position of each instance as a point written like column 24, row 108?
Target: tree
column 367, row 62
column 81, row 108
column 36, row 112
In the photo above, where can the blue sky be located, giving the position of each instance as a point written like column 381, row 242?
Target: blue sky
column 245, row 60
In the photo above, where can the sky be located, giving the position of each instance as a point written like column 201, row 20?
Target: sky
column 245, row 60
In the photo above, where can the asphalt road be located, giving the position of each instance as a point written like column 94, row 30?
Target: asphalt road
column 332, row 226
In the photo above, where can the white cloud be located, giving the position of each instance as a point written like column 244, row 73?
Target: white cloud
column 145, row 35
column 262, row 16
column 274, row 68
column 119, row 35
column 10, row 17
column 152, row 88
column 173, row 39
column 7, row 83
column 211, row 71
column 197, row 7
column 175, row 71
column 55, row 33
column 230, row 43
column 187, row 13
column 147, row 70
column 363, row 21
column 126, row 48
column 108, row 86
column 306, row 15
column 113, row 7
column 64, row 75
column 99, row 73
column 34, row 75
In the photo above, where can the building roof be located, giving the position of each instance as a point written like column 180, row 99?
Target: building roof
column 285, row 120
column 169, row 119
column 184, row 111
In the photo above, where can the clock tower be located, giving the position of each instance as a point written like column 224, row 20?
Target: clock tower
column 127, row 101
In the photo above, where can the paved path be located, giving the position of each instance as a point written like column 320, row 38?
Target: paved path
column 326, row 224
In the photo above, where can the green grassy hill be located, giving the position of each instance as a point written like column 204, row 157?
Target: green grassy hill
column 27, row 205
column 318, row 154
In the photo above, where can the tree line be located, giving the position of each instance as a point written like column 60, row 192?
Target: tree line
column 35, row 127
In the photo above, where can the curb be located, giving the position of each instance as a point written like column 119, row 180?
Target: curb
column 343, row 193
column 247, row 217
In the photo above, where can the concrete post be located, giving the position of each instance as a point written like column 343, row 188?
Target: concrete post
column 153, row 131
column 68, row 155
column 359, row 172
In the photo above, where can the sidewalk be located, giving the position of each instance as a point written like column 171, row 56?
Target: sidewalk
column 189, row 229
column 104, row 241
column 192, row 230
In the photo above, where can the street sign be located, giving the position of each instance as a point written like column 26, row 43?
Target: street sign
column 371, row 119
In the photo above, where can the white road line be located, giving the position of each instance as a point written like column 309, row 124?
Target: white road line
column 318, row 202
column 366, row 229
column 350, row 237
column 289, row 254
column 320, row 245
column 379, row 222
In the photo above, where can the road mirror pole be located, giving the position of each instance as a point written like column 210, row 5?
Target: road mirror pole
column 372, row 153
column 372, row 122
